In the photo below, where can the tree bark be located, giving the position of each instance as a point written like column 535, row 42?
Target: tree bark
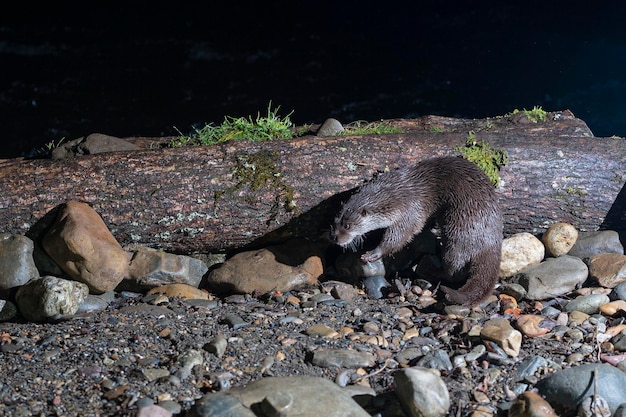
column 240, row 193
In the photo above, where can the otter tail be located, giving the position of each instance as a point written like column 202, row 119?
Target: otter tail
column 482, row 276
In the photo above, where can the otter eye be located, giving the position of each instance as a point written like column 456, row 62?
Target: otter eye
column 363, row 213
column 346, row 226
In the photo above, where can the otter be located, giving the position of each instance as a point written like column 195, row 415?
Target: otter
column 452, row 191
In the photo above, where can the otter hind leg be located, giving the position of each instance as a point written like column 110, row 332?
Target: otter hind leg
column 482, row 276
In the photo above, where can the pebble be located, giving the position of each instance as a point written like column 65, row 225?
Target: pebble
column 422, row 392
column 217, row 346
column 436, row 359
column 532, row 325
column 559, row 238
column 588, row 304
column 234, row 321
column 322, row 330
column 501, row 332
column 530, row 404
column 342, row 358
column 330, row 127
column 613, row 308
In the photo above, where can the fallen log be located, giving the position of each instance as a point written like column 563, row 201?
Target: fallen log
column 240, row 193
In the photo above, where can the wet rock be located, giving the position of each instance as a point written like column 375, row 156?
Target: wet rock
column 553, row 277
column 608, row 269
column 588, row 304
column 422, row 392
column 330, row 127
column 270, row 269
column 530, row 404
column 519, row 251
column 594, row 243
column 17, row 266
column 151, row 268
column 50, row 297
column 281, row 396
column 559, row 238
column 565, row 390
column 81, row 244
column 92, row 144
column 342, row 358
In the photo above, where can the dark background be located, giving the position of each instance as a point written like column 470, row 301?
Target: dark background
column 144, row 68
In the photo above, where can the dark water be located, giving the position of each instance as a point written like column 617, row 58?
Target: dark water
column 144, row 69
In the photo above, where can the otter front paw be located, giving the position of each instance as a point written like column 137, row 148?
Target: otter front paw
column 372, row 255
column 455, row 296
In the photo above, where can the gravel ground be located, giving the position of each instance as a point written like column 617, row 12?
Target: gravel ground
column 112, row 362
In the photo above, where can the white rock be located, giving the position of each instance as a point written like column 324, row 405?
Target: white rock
column 50, row 297
column 520, row 251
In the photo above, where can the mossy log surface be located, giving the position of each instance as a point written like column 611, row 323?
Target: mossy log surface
column 237, row 194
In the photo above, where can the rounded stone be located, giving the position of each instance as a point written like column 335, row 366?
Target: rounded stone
column 559, row 238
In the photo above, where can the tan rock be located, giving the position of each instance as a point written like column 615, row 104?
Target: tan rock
column 559, row 238
column 184, row 291
column 501, row 332
column 283, row 267
column 531, row 404
column 533, row 325
column 81, row 244
column 520, row 251
column 608, row 269
column 150, row 268
column 614, row 307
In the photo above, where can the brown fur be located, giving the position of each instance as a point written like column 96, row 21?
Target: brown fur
column 450, row 190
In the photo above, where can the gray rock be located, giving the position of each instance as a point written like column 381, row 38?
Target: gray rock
column 280, row 396
column 619, row 292
column 374, row 285
column 151, row 268
column 565, row 390
column 436, row 359
column 342, row 358
column 96, row 302
column 588, row 304
column 529, row 366
column 349, row 266
column 330, row 127
column 17, row 266
column 218, row 405
column 422, row 392
column 594, row 243
column 50, row 297
column 8, row 310
column 553, row 277
column 619, row 342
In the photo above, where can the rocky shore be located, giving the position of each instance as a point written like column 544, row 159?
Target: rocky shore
column 91, row 328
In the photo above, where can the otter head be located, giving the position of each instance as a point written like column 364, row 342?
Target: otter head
column 347, row 230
